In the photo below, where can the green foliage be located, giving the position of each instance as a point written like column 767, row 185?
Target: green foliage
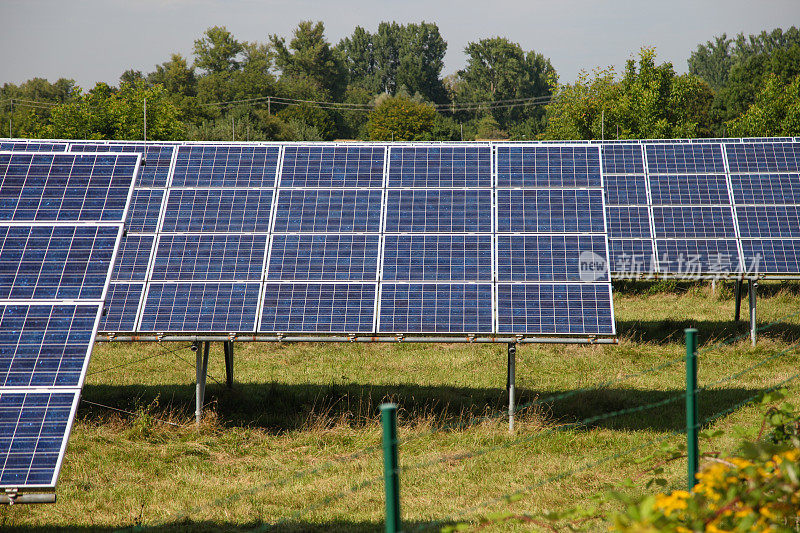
column 488, row 128
column 775, row 112
column 309, row 116
column 217, row 51
column 400, row 119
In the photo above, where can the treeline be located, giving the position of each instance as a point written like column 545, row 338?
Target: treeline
column 388, row 85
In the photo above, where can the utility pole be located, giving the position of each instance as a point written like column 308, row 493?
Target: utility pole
column 10, row 118
column 233, row 128
column 144, row 129
column 603, row 125
column 269, row 105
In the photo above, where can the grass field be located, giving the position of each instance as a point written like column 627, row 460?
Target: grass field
column 285, row 449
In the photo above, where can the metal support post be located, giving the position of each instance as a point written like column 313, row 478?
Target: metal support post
column 228, row 348
column 692, row 451
column 737, row 297
column 511, row 382
column 391, row 470
column 200, row 387
column 752, row 303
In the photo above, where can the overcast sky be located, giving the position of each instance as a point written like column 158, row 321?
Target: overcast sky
column 96, row 40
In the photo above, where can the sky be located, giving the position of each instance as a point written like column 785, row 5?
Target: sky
column 96, row 40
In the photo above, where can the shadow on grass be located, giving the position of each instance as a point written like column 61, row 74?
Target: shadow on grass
column 278, row 407
column 208, row 527
column 710, row 331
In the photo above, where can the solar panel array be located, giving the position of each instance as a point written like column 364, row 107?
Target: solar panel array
column 61, row 221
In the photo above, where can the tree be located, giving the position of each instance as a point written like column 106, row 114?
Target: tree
column 775, row 111
column 400, row 119
column 177, row 77
column 217, row 51
column 26, row 117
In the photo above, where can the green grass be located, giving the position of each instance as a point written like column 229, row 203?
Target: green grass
column 283, row 445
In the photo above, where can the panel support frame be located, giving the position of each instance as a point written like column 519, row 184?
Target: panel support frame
column 751, row 299
column 227, row 348
column 201, row 369
column 511, row 384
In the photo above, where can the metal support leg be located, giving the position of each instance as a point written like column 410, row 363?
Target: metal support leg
column 200, row 387
column 228, row 348
column 752, row 302
column 737, row 296
column 511, row 383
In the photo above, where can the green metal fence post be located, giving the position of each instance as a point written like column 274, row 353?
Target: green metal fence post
column 692, row 451
column 390, row 467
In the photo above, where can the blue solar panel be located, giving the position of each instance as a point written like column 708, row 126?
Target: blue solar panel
column 763, row 157
column 771, row 256
column 435, row 308
column 209, row 257
column 208, row 307
column 766, row 188
column 144, row 211
column 122, row 306
column 625, row 190
column 156, row 160
column 437, row 258
column 318, row 307
column 440, row 166
column 220, row 211
column 548, row 166
column 551, row 258
column 133, row 257
column 65, row 187
column 693, row 222
column 332, row 211
column 631, row 258
column 769, row 221
column 550, row 211
column 55, row 262
column 684, row 159
column 225, row 166
column 554, row 309
column 439, row 211
column 45, row 345
column 622, row 159
column 332, row 166
column 691, row 257
column 25, row 146
column 323, row 257
column 33, row 435
column 689, row 189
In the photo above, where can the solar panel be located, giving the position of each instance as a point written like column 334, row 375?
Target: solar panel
column 769, row 220
column 65, row 187
column 445, row 166
column 550, row 211
column 133, row 257
column 218, row 211
column 550, row 257
column 156, row 159
column 34, row 427
column 625, row 190
column 437, row 258
column 319, row 307
column 555, row 309
column 684, row 159
column 766, row 188
column 689, row 189
column 435, row 308
column 771, row 256
column 212, row 307
column 439, row 211
column 55, row 262
column 25, row 146
column 331, row 211
column 622, row 159
column 332, row 166
column 225, row 166
column 209, row 257
column 121, row 307
column 693, row 222
column 548, row 166
column 631, row 258
column 763, row 157
column 628, row 222
column 689, row 257
column 324, row 257
column 144, row 211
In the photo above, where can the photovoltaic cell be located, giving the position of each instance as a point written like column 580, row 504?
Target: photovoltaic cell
column 209, row 258
column 439, row 211
column 625, row 190
column 769, row 221
column 689, row 189
column 548, row 166
column 25, row 146
column 332, row 166
column 133, row 257
column 206, row 307
column 33, row 433
column 771, row 256
column 225, row 166
column 693, row 222
column 577, row 309
column 551, row 258
column 220, row 211
column 55, row 262
column 122, row 306
column 45, row 345
column 763, row 157
column 435, row 308
column 144, row 210
column 684, row 159
column 318, row 307
column 631, row 258
column 156, row 160
column 437, row 258
column 550, row 211
column 324, row 257
column 622, row 159
column 690, row 257
column 440, row 166
column 766, row 188
column 65, row 187
column 331, row 211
